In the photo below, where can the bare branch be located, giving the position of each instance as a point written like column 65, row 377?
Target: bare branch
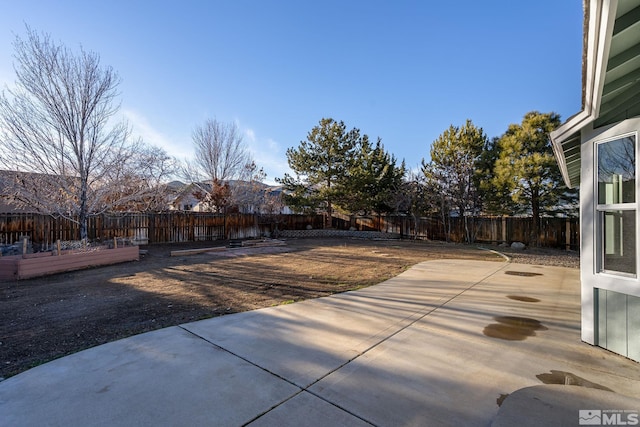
column 57, row 134
column 221, row 157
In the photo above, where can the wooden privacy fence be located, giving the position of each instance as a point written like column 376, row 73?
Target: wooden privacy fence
column 554, row 232
column 141, row 228
column 167, row 227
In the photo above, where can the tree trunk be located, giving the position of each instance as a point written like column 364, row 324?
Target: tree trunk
column 446, row 227
column 469, row 230
column 83, row 215
column 329, row 221
column 467, row 235
column 535, row 214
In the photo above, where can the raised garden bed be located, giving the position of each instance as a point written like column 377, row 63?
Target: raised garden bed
column 16, row 267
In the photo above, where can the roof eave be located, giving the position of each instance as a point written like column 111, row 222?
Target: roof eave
column 565, row 133
column 599, row 22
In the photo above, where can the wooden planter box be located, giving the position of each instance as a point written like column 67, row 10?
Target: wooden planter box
column 18, row 267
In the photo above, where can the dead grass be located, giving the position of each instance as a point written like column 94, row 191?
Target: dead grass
column 45, row 318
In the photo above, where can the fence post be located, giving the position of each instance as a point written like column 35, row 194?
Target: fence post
column 58, row 245
column 567, row 234
column 504, row 229
column 224, row 225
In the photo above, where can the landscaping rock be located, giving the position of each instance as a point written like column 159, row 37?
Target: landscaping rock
column 518, row 246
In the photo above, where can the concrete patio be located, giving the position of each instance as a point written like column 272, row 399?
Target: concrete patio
column 446, row 343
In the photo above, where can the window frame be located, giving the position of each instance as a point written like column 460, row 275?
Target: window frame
column 601, row 208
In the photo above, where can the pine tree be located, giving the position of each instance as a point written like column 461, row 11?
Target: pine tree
column 527, row 168
column 455, row 158
column 374, row 177
column 321, row 164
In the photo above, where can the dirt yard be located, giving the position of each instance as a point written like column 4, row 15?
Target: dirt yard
column 46, row 318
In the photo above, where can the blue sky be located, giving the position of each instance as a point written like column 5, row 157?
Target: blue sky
column 400, row 70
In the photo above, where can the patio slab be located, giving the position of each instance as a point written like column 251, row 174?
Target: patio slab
column 304, row 342
column 444, row 343
column 167, row 377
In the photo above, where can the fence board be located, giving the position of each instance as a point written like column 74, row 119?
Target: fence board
column 167, row 227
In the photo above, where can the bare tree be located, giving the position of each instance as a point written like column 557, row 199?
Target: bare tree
column 58, row 133
column 221, row 157
column 140, row 183
column 411, row 198
column 248, row 194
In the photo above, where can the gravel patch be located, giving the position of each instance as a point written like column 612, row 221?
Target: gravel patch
column 541, row 256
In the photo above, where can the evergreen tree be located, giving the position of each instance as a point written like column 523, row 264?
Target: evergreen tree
column 527, row 168
column 321, row 164
column 496, row 196
column 374, row 178
column 455, row 158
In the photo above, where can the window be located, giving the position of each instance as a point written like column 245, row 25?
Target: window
column 616, row 207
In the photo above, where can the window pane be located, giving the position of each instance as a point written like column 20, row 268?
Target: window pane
column 617, row 171
column 619, row 241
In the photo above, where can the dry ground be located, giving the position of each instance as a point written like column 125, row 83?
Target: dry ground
column 45, row 318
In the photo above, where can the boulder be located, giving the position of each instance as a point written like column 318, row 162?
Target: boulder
column 518, row 246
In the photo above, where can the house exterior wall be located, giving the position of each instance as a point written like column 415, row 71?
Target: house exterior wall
column 587, row 237
column 610, row 301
